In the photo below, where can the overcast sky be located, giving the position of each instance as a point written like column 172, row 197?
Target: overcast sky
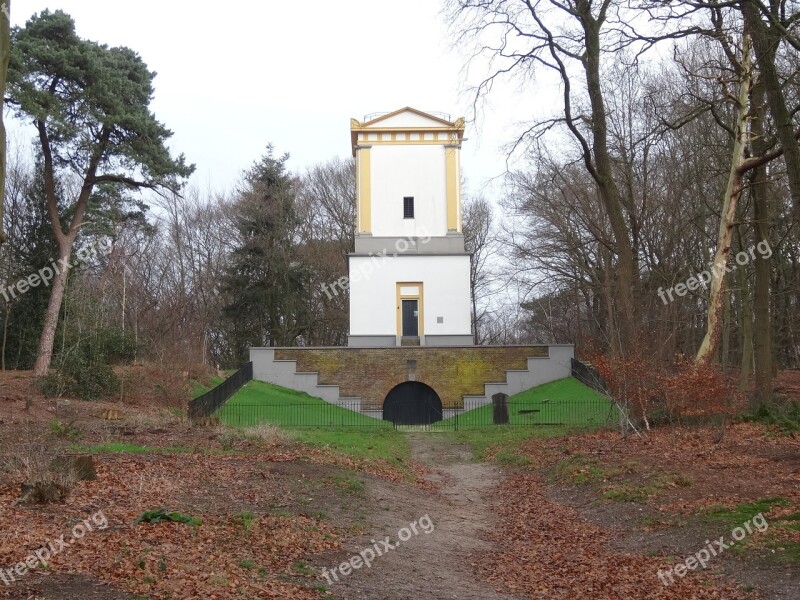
column 236, row 75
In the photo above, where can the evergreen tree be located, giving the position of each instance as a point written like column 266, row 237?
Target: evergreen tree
column 267, row 286
column 90, row 106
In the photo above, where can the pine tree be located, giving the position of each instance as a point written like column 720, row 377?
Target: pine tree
column 267, row 286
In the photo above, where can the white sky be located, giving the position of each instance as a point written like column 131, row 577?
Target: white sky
column 235, row 75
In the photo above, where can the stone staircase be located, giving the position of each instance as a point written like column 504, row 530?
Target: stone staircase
column 284, row 373
column 517, row 380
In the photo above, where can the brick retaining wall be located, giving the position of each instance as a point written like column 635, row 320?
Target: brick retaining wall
column 371, row 373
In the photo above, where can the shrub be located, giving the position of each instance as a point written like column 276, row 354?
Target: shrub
column 652, row 392
column 83, row 369
column 53, row 385
column 65, row 430
column 72, row 378
column 785, row 415
column 31, row 461
column 264, row 434
column 115, row 345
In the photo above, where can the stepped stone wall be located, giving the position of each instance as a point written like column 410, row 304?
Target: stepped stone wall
column 370, row 373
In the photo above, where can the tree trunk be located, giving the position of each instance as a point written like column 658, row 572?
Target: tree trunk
column 608, row 299
column 728, row 214
column 5, row 334
column 745, row 324
column 762, row 324
column 64, row 240
column 47, row 339
column 5, row 54
column 474, row 318
column 626, row 270
column 766, row 40
column 725, row 349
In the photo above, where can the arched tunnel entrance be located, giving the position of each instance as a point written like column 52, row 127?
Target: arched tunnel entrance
column 412, row 403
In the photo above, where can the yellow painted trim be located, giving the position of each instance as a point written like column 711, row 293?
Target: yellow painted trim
column 407, row 128
column 454, row 135
column 451, row 187
column 408, row 142
column 454, row 129
column 419, row 296
column 364, row 190
column 358, row 190
column 405, row 142
column 459, row 199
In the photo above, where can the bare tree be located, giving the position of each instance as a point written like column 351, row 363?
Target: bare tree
column 521, row 37
column 729, row 213
column 5, row 56
column 772, row 25
column 326, row 201
column 480, row 242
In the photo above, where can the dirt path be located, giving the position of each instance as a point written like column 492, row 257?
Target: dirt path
column 438, row 564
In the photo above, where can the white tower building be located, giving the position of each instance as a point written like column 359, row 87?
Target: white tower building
column 409, row 273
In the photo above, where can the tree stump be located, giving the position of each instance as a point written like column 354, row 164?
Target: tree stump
column 500, row 409
column 42, row 492
column 77, row 467
column 54, row 485
column 111, row 414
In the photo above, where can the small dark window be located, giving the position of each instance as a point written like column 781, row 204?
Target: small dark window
column 408, row 207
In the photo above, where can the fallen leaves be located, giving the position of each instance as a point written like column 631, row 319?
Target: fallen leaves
column 216, row 559
column 549, row 551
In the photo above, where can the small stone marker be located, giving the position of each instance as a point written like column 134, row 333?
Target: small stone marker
column 500, row 409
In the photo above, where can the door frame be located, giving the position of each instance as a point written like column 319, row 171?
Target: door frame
column 418, row 296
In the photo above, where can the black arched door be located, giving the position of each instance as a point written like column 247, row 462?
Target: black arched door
column 412, row 403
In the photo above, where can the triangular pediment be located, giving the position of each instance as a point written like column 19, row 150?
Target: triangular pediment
column 407, row 117
column 405, row 121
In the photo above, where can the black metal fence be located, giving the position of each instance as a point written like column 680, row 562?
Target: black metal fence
column 589, row 376
column 300, row 414
column 207, row 404
column 597, row 412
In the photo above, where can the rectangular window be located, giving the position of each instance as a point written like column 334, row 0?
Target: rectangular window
column 408, row 207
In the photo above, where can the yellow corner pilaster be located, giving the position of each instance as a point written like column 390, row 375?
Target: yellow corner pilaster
column 451, row 189
column 364, row 190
